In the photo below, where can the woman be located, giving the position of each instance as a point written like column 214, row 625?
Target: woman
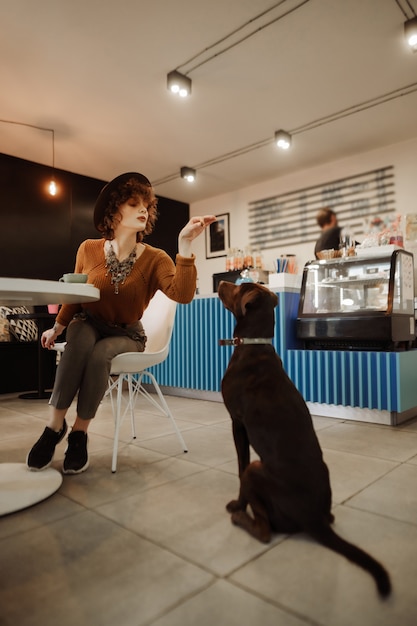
column 128, row 273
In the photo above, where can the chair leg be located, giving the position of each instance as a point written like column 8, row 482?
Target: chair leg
column 116, row 406
column 165, row 408
column 117, row 422
column 109, row 392
column 135, row 388
column 131, row 403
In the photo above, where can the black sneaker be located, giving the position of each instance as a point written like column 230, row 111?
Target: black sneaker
column 76, row 457
column 41, row 455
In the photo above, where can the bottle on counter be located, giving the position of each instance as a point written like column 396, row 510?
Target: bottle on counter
column 245, row 277
column 397, row 237
column 258, row 260
column 230, row 260
column 238, row 259
column 347, row 242
column 248, row 261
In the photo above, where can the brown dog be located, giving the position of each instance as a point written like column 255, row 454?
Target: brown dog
column 288, row 490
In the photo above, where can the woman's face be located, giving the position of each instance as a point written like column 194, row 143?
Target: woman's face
column 133, row 215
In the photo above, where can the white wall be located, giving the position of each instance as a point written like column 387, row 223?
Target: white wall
column 403, row 156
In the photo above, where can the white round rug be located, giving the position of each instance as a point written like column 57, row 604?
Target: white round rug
column 20, row 488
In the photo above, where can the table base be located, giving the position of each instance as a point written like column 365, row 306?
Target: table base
column 20, row 488
column 35, row 395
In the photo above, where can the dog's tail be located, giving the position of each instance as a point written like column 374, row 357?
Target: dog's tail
column 326, row 536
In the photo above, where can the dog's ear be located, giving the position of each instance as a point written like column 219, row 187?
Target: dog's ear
column 249, row 298
column 252, row 296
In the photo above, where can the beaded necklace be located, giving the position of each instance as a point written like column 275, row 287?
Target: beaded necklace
column 119, row 270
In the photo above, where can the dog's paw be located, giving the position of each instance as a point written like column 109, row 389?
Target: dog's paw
column 239, row 518
column 233, row 505
column 260, row 531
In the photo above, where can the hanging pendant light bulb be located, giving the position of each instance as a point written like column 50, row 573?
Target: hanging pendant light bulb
column 52, row 188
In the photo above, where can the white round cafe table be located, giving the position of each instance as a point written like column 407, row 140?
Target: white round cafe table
column 19, row 487
column 25, row 291
column 30, row 292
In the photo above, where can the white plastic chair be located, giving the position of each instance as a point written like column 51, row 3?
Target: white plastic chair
column 59, row 347
column 158, row 322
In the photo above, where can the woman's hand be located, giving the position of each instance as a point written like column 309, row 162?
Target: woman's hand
column 48, row 336
column 191, row 230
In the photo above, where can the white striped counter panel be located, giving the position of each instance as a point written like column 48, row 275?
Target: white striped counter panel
column 378, row 387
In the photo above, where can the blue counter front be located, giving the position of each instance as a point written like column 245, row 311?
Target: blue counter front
column 378, row 387
column 196, row 361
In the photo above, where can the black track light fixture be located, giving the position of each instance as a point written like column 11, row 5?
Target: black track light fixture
column 179, row 84
column 188, row 173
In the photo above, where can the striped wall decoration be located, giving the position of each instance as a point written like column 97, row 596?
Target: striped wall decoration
column 290, row 218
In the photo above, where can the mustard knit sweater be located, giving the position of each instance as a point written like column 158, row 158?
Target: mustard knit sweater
column 153, row 270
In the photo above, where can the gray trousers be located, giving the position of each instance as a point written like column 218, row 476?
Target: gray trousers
column 85, row 365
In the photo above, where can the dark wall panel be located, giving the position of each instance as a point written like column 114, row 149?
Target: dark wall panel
column 173, row 215
column 39, row 234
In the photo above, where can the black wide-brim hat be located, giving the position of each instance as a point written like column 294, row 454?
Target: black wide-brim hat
column 104, row 195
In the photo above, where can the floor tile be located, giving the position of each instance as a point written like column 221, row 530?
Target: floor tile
column 372, row 440
column 350, row 473
column 189, row 516
column 83, row 572
column 209, row 446
column 153, row 545
column 149, row 424
column 99, row 485
column 50, row 510
column 225, row 604
column 305, row 577
column 393, row 495
column 320, row 422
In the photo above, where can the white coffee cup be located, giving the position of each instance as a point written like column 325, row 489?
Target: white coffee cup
column 74, row 278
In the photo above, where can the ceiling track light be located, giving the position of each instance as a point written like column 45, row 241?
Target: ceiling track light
column 179, row 84
column 188, row 174
column 410, row 33
column 283, row 139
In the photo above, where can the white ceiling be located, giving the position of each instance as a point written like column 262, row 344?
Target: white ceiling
column 95, row 71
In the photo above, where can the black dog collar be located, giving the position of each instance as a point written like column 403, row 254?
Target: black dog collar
column 240, row 341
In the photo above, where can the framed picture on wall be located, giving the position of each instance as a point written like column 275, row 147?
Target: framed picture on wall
column 218, row 237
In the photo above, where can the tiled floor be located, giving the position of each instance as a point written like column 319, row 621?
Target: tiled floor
column 153, row 543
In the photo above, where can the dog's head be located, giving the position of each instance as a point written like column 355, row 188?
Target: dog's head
column 240, row 299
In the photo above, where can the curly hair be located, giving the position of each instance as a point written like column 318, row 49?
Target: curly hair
column 124, row 192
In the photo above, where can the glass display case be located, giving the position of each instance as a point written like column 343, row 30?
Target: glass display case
column 358, row 303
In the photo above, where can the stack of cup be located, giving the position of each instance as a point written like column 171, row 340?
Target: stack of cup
column 282, row 265
column 287, row 263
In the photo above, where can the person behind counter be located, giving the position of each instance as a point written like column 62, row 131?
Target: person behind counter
column 331, row 231
column 128, row 273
